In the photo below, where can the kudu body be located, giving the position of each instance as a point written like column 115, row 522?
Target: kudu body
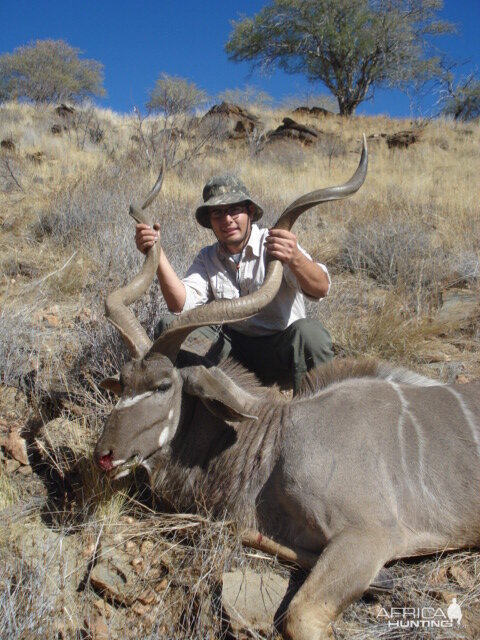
column 369, row 463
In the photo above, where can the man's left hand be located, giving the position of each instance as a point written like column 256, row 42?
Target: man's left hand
column 282, row 244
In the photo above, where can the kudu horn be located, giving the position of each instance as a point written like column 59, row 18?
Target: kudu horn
column 116, row 308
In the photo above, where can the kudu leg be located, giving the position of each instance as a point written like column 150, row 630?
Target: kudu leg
column 342, row 574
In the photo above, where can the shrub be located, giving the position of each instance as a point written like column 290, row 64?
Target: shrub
column 396, row 253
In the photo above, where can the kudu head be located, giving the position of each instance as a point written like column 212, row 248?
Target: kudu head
column 150, row 387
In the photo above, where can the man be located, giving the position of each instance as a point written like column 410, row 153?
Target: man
column 279, row 343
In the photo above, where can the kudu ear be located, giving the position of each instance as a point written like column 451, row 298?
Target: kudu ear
column 113, row 385
column 219, row 394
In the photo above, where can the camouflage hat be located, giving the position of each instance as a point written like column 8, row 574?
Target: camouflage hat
column 220, row 190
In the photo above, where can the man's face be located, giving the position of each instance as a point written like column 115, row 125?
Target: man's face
column 231, row 225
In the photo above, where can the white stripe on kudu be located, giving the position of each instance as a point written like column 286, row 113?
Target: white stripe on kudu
column 129, row 402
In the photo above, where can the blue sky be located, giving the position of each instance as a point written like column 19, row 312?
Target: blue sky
column 138, row 40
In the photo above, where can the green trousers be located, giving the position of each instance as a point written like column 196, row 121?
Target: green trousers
column 282, row 357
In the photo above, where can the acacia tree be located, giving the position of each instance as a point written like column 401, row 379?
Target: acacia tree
column 49, row 71
column 351, row 46
column 462, row 100
column 175, row 100
column 173, row 95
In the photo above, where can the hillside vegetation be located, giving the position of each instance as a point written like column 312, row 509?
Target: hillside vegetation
column 404, row 256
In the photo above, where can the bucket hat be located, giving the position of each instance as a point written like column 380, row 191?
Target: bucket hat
column 221, row 190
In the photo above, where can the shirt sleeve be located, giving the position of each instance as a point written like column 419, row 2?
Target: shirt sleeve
column 292, row 280
column 197, row 285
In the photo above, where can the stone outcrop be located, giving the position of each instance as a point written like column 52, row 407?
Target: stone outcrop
column 8, row 145
column 402, row 139
column 290, row 129
column 240, row 122
column 64, row 111
column 314, row 111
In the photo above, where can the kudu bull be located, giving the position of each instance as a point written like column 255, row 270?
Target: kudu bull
column 371, row 464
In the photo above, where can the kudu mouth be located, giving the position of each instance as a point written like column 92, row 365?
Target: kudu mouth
column 116, row 469
column 218, row 311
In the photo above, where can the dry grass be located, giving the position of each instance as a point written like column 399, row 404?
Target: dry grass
column 66, row 239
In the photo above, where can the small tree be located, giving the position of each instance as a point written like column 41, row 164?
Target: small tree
column 351, row 46
column 173, row 96
column 49, row 71
column 176, row 99
column 462, row 101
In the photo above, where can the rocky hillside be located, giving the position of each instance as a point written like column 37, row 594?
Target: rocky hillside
column 83, row 558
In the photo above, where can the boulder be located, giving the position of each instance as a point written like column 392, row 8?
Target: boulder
column 290, row 129
column 240, row 122
column 64, row 111
column 7, row 145
column 459, row 306
column 314, row 111
column 250, row 600
column 402, row 139
column 37, row 157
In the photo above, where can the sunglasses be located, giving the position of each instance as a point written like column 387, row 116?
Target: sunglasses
column 233, row 212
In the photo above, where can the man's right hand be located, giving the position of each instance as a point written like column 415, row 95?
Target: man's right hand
column 145, row 236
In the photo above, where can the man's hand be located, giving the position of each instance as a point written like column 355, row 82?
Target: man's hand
column 146, row 237
column 282, row 244
column 310, row 276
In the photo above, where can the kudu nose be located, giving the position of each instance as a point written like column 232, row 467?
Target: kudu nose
column 105, row 462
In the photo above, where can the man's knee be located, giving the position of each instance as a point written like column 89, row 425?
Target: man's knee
column 311, row 337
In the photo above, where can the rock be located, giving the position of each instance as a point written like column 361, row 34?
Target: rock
column 16, row 446
column 461, row 576
column 147, row 597
column 12, row 465
column 26, row 470
column 131, row 547
column 314, row 111
column 402, row 139
column 140, row 609
column 128, row 519
column 250, row 599
column 97, row 628
column 137, row 563
column 113, row 577
column 103, row 608
column 8, row 145
column 84, row 315
column 440, row 577
column 161, row 586
column 64, row 111
column 89, row 550
column 13, row 404
column 37, row 157
column 459, row 306
column 241, row 122
column 376, row 137
column 147, row 547
column 295, row 131
column 438, row 351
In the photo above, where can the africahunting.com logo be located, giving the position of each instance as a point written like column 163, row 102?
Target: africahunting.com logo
column 421, row 617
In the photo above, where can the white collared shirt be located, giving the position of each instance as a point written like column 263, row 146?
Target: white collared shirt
column 214, row 275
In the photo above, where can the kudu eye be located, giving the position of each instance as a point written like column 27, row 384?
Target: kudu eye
column 164, row 385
